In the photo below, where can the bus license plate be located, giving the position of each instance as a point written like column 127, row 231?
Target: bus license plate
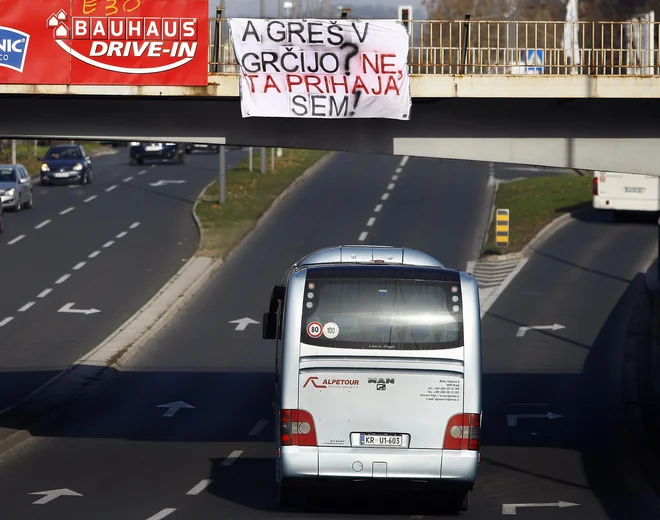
column 381, row 440
column 635, row 190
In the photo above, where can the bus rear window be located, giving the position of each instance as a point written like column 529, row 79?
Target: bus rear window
column 382, row 313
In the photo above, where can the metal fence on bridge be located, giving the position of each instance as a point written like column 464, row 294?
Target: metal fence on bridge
column 506, row 47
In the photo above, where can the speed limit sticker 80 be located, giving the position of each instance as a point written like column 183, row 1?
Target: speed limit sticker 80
column 314, row 329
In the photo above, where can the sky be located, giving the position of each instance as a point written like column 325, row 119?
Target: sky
column 251, row 7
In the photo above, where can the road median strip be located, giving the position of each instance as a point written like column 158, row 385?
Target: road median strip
column 249, row 195
column 534, row 203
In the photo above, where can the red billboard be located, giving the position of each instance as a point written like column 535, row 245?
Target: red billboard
column 104, row 42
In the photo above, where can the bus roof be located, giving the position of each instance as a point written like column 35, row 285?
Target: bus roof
column 363, row 254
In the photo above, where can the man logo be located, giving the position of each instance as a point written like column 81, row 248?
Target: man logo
column 381, row 382
column 313, row 380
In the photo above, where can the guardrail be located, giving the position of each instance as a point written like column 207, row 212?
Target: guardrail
column 506, row 47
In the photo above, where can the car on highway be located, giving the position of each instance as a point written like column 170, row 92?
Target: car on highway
column 377, row 373
column 147, row 150
column 65, row 163
column 15, row 187
column 191, row 147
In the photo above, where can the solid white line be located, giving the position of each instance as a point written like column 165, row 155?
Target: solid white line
column 44, row 223
column 94, row 254
column 232, row 458
column 26, row 306
column 371, row 221
column 109, row 243
column 79, row 265
column 162, row 514
column 122, row 234
column 5, row 321
column 44, row 293
column 404, row 161
column 395, row 177
column 256, row 430
column 378, row 208
column 201, row 486
column 385, row 196
column 90, row 199
column 128, row 179
column 399, row 170
column 63, row 279
column 111, row 188
column 67, row 210
column 390, row 186
column 134, row 225
column 17, row 239
column 363, row 236
column 142, row 172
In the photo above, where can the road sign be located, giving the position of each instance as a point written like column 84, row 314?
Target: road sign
column 534, row 61
column 502, row 227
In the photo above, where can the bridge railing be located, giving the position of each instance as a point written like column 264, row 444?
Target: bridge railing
column 480, row 47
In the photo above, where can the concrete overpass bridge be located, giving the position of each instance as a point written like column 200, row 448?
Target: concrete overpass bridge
column 477, row 94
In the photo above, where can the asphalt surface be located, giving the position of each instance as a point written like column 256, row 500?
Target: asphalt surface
column 109, row 245
column 116, row 448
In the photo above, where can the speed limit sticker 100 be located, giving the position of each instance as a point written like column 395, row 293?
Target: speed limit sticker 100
column 331, row 330
column 314, row 329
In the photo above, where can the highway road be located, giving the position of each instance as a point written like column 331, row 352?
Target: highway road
column 122, row 451
column 108, row 246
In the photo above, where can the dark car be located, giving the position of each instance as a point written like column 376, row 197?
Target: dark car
column 140, row 151
column 66, row 163
column 2, row 219
column 191, row 147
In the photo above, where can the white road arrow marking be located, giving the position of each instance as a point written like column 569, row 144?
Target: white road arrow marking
column 522, row 330
column 164, row 183
column 174, row 408
column 512, row 419
column 243, row 323
column 510, row 509
column 53, row 494
column 69, row 308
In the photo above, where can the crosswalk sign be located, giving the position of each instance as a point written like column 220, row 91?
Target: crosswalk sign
column 534, row 61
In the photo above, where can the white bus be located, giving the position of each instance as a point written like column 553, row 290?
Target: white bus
column 378, row 373
column 626, row 191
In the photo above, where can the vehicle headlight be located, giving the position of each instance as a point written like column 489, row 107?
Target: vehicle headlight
column 135, row 143
column 10, row 192
column 78, row 167
column 170, row 144
column 45, row 168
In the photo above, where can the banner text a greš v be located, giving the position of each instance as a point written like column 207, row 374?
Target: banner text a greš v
column 322, row 68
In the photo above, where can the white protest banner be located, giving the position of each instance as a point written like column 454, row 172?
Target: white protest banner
column 331, row 69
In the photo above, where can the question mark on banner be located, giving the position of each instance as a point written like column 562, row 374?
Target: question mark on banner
column 358, row 94
column 347, row 60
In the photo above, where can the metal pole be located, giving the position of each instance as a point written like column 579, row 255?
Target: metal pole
column 262, row 9
column 264, row 160
column 13, row 151
column 466, row 41
column 36, row 149
column 222, row 184
column 272, row 160
column 251, row 149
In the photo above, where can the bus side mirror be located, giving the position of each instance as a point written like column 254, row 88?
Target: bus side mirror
column 270, row 325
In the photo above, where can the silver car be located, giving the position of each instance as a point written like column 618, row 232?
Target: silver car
column 15, row 187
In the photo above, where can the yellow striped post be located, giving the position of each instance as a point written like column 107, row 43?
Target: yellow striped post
column 502, row 227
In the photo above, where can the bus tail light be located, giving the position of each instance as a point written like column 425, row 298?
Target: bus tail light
column 297, row 428
column 595, row 185
column 463, row 432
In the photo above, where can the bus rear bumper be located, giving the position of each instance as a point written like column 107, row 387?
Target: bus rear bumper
column 417, row 466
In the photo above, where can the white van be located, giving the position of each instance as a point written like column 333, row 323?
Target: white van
column 378, row 372
column 626, row 191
